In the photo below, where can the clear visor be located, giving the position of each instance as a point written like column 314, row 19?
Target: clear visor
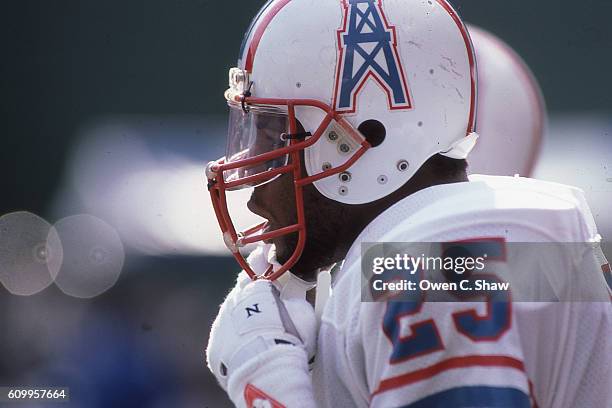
column 251, row 134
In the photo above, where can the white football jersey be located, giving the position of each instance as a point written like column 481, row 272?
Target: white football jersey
column 412, row 354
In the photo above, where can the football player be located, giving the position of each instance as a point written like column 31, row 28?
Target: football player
column 511, row 112
column 353, row 120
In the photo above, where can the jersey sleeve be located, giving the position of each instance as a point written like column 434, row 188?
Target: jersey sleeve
column 444, row 354
column 487, row 353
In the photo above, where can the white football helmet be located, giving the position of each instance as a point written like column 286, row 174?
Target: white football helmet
column 511, row 110
column 367, row 89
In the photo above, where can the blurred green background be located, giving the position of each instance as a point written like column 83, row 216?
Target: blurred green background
column 64, row 62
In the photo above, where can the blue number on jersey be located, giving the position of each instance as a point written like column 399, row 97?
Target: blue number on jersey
column 424, row 337
column 423, row 340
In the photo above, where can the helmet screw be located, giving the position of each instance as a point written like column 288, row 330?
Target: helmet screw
column 345, row 177
column 402, row 165
column 333, row 136
column 343, row 190
column 382, row 179
column 344, row 148
column 326, row 166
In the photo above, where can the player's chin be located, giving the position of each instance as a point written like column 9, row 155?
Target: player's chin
column 285, row 247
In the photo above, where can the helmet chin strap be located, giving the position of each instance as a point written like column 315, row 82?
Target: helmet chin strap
column 288, row 284
column 324, row 281
column 462, row 148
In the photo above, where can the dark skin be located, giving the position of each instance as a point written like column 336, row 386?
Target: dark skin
column 332, row 227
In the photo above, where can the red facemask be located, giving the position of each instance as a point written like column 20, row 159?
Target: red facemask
column 263, row 136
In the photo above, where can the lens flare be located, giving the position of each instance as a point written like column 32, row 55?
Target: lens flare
column 93, row 256
column 30, row 253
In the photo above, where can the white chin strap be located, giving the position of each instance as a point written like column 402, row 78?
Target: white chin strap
column 324, row 281
column 461, row 148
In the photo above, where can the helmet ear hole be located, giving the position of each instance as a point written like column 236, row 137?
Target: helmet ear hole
column 373, row 131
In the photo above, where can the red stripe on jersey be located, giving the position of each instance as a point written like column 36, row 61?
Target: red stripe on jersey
column 449, row 364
